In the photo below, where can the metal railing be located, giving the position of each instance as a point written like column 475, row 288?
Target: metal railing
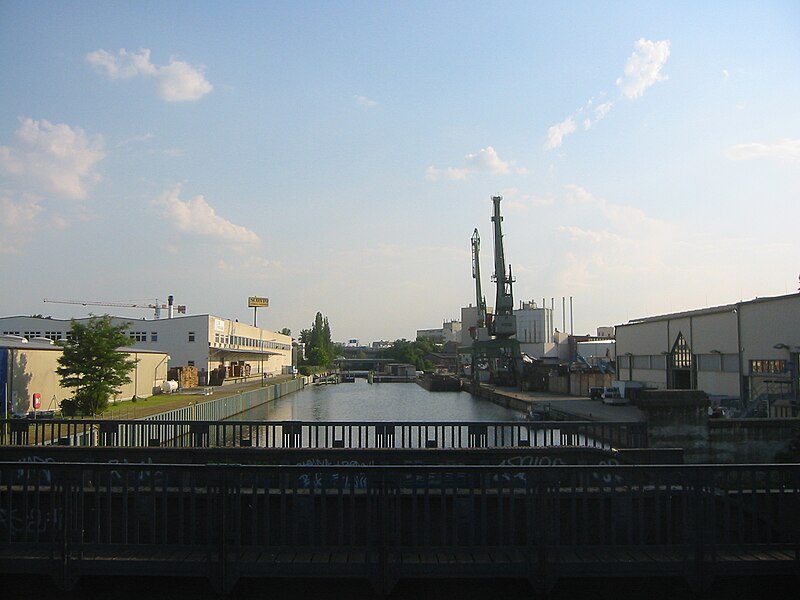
column 389, row 522
column 312, row 434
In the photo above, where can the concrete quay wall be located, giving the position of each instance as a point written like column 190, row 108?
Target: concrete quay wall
column 675, row 419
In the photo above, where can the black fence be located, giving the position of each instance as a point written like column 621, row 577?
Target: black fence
column 305, row 434
column 385, row 523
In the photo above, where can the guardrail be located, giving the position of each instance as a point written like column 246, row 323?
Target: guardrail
column 313, row 434
column 392, row 522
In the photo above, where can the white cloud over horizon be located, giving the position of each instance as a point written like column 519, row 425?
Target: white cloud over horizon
column 486, row 160
column 642, row 70
column 365, row 102
column 557, row 133
column 55, row 157
column 197, row 217
column 787, row 150
column 177, row 81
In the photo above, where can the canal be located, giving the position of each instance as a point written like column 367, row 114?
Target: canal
column 362, row 401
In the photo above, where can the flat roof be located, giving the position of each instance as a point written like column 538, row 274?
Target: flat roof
column 706, row 311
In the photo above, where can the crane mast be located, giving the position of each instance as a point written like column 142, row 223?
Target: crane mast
column 476, row 275
column 504, row 322
column 170, row 306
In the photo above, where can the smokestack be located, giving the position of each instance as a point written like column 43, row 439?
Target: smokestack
column 571, row 323
column 563, row 314
column 170, row 300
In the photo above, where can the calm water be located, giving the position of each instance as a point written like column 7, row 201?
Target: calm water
column 362, row 401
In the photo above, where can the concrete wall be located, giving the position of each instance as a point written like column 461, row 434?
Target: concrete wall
column 33, row 371
column 679, row 419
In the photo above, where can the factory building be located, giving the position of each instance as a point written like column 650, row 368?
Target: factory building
column 450, row 331
column 746, row 351
column 29, row 382
column 206, row 342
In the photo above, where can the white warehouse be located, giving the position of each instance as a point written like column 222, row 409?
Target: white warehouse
column 747, row 350
column 202, row 341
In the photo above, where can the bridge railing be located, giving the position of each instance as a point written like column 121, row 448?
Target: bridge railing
column 235, row 521
column 313, row 434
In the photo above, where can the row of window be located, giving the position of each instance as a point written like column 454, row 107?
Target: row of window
column 242, row 341
column 50, row 335
column 725, row 363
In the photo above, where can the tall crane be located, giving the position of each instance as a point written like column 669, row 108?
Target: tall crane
column 497, row 353
column 504, row 323
column 476, row 275
column 181, row 309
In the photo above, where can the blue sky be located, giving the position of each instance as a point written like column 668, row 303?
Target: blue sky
column 336, row 156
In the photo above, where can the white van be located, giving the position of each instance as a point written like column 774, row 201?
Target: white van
column 612, row 395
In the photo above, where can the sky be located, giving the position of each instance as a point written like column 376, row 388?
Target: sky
column 337, row 156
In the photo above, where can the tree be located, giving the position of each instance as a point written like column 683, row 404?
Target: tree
column 412, row 353
column 285, row 331
column 319, row 348
column 92, row 364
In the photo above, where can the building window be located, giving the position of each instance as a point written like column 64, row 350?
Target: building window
column 767, row 366
column 191, row 336
column 138, row 336
column 681, row 354
column 190, row 363
column 33, row 334
column 153, row 336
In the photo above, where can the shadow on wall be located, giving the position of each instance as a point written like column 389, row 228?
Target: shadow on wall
column 19, row 402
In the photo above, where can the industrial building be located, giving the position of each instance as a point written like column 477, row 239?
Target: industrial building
column 747, row 351
column 450, row 331
column 206, row 342
column 29, row 382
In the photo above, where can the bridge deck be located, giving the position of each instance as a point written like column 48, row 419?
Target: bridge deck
column 384, row 523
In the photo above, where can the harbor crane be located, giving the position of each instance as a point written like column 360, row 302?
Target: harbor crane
column 476, row 275
column 494, row 345
column 180, row 309
column 504, row 323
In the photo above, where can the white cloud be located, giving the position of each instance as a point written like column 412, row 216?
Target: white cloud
column 557, row 133
column 486, row 160
column 197, row 217
column 178, row 81
column 785, row 151
column 365, row 102
column 643, row 68
column 57, row 157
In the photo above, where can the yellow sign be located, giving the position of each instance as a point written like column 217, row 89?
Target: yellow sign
column 257, row 302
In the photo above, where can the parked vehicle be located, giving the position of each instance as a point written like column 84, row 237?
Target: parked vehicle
column 596, row 393
column 612, row 395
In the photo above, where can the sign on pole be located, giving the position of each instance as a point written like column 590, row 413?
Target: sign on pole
column 257, row 302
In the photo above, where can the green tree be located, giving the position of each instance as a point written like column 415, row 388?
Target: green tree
column 286, row 331
column 92, row 364
column 320, row 349
column 412, row 353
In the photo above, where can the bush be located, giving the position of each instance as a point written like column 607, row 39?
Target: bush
column 69, row 407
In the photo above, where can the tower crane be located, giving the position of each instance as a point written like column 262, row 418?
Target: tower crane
column 504, row 324
column 476, row 275
column 180, row 309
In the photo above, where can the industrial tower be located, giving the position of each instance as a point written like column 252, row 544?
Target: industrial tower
column 494, row 346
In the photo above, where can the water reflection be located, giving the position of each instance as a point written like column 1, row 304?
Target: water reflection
column 361, row 401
